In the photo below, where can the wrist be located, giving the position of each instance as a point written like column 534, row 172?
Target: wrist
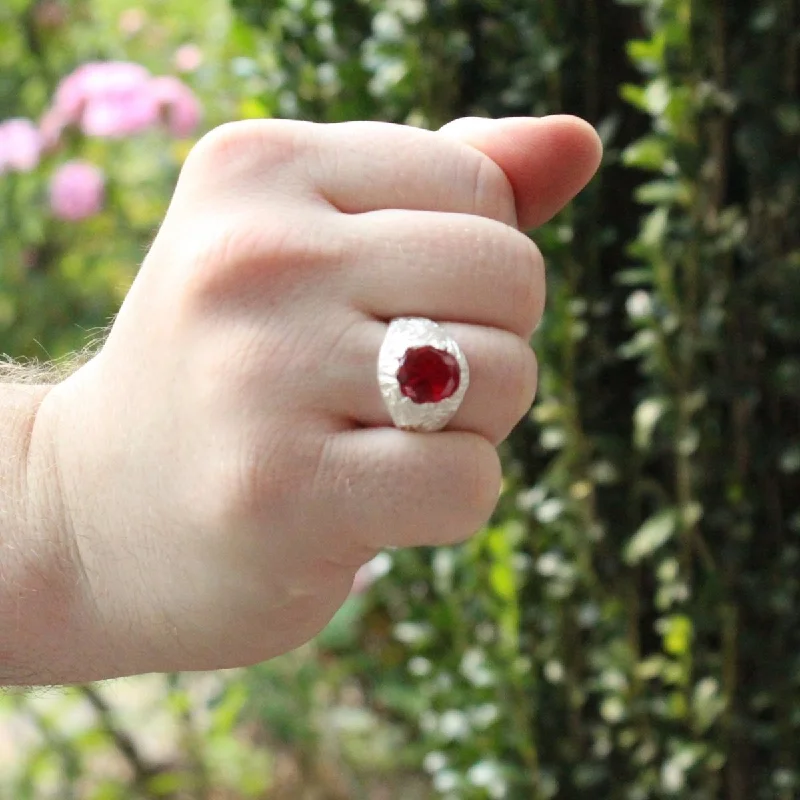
column 43, row 599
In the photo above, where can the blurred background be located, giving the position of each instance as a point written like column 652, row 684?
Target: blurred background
column 628, row 626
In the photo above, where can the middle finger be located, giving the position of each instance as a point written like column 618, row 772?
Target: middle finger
column 448, row 267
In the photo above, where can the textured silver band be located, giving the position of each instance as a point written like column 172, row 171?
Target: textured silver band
column 403, row 334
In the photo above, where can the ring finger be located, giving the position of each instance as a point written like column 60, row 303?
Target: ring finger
column 502, row 368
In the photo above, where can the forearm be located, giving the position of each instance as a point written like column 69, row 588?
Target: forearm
column 40, row 590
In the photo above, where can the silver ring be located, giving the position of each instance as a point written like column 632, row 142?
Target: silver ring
column 422, row 373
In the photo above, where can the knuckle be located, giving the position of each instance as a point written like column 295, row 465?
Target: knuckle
column 482, row 476
column 521, row 377
column 213, row 263
column 527, row 285
column 472, row 491
column 238, row 254
column 215, row 253
column 492, row 194
column 518, row 377
column 223, row 503
column 252, row 486
column 529, row 371
column 515, row 369
column 246, row 148
column 241, row 499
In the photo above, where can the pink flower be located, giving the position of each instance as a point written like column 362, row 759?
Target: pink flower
column 187, row 58
column 132, row 20
column 106, row 98
column 117, row 98
column 179, row 104
column 120, row 113
column 76, row 190
column 20, row 145
column 51, row 126
column 95, row 81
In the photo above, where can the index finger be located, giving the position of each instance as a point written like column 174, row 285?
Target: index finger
column 372, row 166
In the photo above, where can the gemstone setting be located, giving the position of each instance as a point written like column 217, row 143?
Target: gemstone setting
column 428, row 375
column 423, row 374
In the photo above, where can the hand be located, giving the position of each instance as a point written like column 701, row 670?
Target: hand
column 225, row 463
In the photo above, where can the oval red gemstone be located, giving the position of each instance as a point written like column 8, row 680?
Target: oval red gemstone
column 428, row 375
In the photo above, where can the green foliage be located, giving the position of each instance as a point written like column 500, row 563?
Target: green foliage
column 627, row 626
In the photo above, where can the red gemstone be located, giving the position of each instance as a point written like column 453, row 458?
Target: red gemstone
column 428, row 375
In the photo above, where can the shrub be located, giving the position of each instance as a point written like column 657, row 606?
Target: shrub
column 627, row 626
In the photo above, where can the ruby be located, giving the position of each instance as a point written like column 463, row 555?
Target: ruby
column 428, row 375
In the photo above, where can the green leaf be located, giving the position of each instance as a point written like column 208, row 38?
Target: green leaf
column 167, row 783
column 652, row 535
column 501, row 578
column 692, row 514
column 648, row 153
column 654, row 229
column 663, row 192
column 657, row 96
column 228, row 711
column 634, row 95
column 646, row 417
column 677, row 633
column 648, row 53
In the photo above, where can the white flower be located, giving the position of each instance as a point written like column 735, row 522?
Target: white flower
column 639, row 305
column 453, row 724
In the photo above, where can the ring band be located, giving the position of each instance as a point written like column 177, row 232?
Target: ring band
column 422, row 373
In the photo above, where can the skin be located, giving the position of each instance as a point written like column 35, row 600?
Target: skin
column 200, row 494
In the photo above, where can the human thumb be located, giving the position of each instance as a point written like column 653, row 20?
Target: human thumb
column 547, row 160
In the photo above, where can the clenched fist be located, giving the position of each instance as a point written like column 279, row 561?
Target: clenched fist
column 222, row 467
